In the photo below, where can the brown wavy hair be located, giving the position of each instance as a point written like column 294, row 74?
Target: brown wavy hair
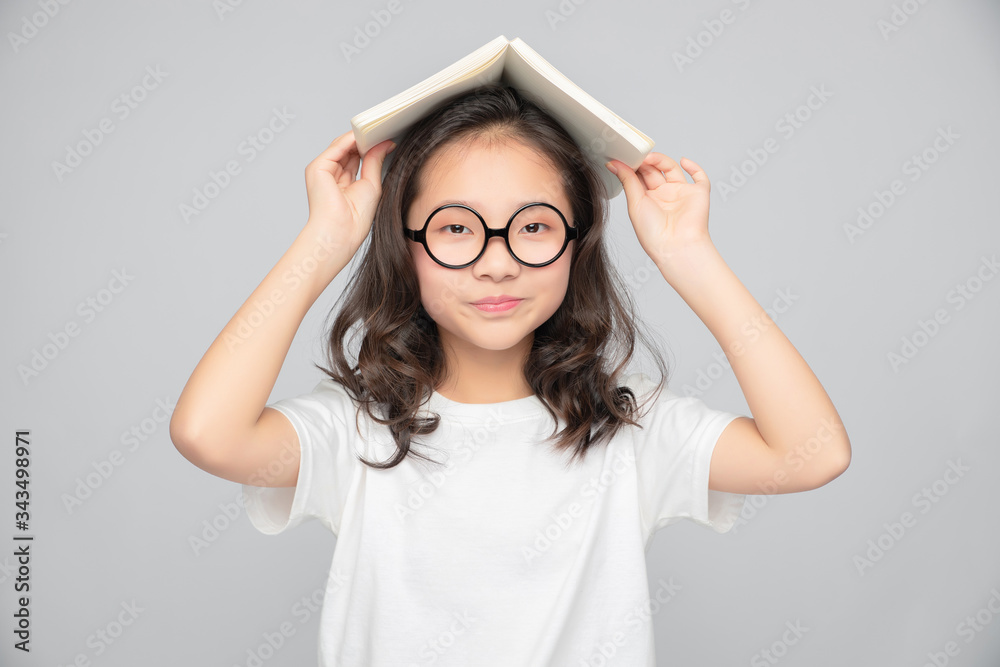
column 578, row 354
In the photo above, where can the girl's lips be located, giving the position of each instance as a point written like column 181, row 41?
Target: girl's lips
column 497, row 307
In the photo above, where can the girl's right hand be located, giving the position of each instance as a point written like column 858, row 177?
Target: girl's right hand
column 338, row 203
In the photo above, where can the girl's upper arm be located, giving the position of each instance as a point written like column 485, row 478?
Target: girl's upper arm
column 267, row 455
column 742, row 462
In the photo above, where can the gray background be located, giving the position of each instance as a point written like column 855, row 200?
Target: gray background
column 793, row 559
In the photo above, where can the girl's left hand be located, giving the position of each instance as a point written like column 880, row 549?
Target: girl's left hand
column 668, row 213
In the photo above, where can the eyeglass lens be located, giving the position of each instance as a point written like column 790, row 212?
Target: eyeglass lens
column 456, row 236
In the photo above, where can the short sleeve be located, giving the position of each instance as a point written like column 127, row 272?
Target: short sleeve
column 673, row 456
column 324, row 422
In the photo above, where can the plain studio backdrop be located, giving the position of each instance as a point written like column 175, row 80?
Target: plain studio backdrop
column 852, row 152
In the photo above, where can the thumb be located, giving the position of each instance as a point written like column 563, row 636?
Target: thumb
column 634, row 190
column 371, row 164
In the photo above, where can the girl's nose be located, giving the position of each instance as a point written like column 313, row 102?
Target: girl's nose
column 497, row 258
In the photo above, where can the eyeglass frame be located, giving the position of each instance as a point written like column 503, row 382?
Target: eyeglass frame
column 420, row 235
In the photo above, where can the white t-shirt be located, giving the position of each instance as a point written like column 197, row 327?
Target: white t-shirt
column 504, row 555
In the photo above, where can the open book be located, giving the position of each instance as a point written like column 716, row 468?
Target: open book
column 600, row 132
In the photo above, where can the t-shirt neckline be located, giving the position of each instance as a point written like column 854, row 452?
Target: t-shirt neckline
column 518, row 407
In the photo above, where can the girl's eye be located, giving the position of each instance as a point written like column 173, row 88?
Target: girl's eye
column 534, row 224
column 452, row 228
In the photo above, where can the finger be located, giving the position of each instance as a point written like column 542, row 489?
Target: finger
column 651, row 177
column 352, row 165
column 672, row 171
column 634, row 189
column 339, row 148
column 339, row 157
column 697, row 173
column 371, row 165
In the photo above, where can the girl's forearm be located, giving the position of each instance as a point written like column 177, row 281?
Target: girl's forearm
column 229, row 387
column 788, row 403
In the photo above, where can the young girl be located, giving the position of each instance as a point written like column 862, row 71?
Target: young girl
column 492, row 473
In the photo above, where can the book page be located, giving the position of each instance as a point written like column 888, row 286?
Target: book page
column 388, row 119
column 601, row 133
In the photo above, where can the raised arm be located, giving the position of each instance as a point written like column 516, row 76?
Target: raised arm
column 796, row 440
column 220, row 423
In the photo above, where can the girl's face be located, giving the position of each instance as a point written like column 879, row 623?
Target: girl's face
column 495, row 182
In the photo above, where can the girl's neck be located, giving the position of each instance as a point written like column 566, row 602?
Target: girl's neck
column 486, row 376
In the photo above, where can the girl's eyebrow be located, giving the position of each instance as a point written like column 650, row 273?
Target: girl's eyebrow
column 477, row 205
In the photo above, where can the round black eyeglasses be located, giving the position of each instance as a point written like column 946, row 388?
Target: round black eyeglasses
column 539, row 231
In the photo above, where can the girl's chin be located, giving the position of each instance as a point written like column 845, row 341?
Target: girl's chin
column 480, row 338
